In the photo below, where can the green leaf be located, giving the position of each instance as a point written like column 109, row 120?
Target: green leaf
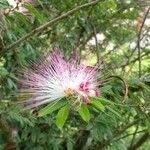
column 3, row 72
column 4, row 4
column 22, row 17
column 62, row 116
column 11, row 84
column 107, row 89
column 113, row 111
column 51, row 108
column 84, row 113
column 36, row 13
column 98, row 105
column 112, row 4
column 104, row 101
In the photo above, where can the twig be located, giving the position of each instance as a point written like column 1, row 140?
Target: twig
column 125, row 85
column 4, row 126
column 119, row 132
column 140, row 142
column 76, row 55
column 138, row 42
column 129, row 135
column 45, row 26
column 133, row 61
column 76, row 50
column 12, row 10
column 137, row 45
column 134, row 135
column 96, row 42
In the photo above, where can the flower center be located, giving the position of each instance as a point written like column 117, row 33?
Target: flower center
column 69, row 92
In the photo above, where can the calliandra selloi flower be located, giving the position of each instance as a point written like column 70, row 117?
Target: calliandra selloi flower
column 55, row 78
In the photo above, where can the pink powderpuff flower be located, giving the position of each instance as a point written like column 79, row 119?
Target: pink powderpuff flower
column 55, row 78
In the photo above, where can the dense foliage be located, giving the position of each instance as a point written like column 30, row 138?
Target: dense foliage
column 110, row 33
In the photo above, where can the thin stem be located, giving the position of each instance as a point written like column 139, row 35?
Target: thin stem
column 134, row 135
column 140, row 142
column 130, row 135
column 138, row 43
column 96, row 42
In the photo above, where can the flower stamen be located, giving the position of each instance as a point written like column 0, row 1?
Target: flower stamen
column 69, row 92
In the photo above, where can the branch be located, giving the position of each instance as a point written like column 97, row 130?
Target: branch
column 134, row 135
column 7, row 12
column 45, row 26
column 139, row 37
column 125, row 86
column 76, row 50
column 133, row 61
column 4, row 127
column 138, row 41
column 140, row 142
column 125, row 136
column 96, row 42
column 119, row 131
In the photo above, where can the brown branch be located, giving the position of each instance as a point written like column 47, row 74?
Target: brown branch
column 139, row 37
column 4, row 127
column 133, row 61
column 45, row 26
column 7, row 12
column 96, row 43
column 134, row 135
column 140, row 142
column 76, row 55
column 98, row 29
column 124, row 128
column 125, row 86
column 129, row 135
column 76, row 50
column 137, row 44
column 118, row 132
